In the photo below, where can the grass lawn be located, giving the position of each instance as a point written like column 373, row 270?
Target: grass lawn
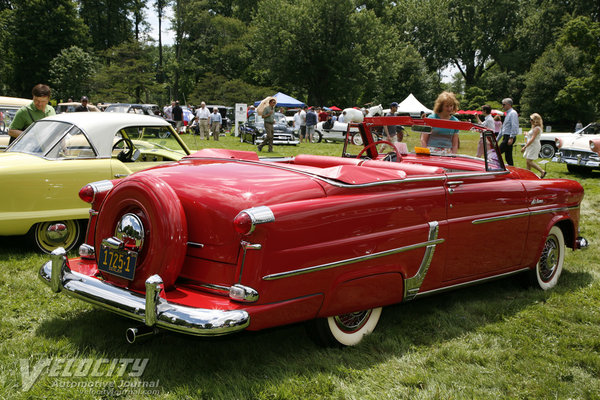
column 499, row 340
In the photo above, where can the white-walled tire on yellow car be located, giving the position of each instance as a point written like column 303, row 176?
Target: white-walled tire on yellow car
column 344, row 330
column 549, row 267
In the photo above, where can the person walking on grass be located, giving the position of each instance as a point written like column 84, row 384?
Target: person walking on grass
column 532, row 147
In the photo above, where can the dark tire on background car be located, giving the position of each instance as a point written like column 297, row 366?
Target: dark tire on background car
column 317, row 137
column 549, row 267
column 578, row 169
column 343, row 330
column 51, row 235
column 547, row 150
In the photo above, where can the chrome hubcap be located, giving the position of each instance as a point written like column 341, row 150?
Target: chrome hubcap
column 57, row 233
column 130, row 231
column 353, row 321
column 549, row 259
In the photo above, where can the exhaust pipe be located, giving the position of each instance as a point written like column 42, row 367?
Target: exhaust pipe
column 142, row 331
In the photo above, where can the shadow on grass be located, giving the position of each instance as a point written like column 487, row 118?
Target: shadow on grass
column 238, row 365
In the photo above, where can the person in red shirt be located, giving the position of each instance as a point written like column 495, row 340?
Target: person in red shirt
column 322, row 115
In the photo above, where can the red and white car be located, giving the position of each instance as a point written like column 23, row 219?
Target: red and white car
column 223, row 241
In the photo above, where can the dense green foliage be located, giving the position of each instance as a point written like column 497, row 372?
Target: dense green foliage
column 542, row 53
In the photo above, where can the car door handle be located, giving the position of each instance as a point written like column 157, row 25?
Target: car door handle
column 121, row 175
column 452, row 184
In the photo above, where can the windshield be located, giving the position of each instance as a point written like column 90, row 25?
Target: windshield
column 454, row 148
column 53, row 139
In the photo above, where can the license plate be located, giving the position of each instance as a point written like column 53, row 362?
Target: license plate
column 117, row 262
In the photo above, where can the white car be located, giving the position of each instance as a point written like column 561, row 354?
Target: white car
column 548, row 140
column 579, row 150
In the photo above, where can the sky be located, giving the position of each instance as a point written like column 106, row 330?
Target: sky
column 168, row 36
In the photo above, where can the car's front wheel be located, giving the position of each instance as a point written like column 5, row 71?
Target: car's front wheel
column 549, row 267
column 344, row 330
column 547, row 150
column 578, row 169
column 51, row 235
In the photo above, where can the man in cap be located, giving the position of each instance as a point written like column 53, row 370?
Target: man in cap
column 393, row 133
column 83, row 106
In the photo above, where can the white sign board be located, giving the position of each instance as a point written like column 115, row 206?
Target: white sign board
column 241, row 115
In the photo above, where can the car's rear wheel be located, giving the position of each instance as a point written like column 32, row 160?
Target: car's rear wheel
column 50, row 235
column 163, row 227
column 547, row 150
column 549, row 267
column 317, row 137
column 344, row 330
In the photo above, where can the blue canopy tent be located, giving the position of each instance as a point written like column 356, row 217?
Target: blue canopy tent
column 283, row 100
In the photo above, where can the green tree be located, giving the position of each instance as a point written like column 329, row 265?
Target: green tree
column 41, row 28
column 6, row 53
column 71, row 73
column 464, row 33
column 562, row 84
column 135, row 62
column 108, row 21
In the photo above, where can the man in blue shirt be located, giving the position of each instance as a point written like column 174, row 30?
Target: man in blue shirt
column 509, row 131
column 215, row 123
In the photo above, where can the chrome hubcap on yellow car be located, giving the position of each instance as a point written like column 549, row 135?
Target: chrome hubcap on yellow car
column 54, row 234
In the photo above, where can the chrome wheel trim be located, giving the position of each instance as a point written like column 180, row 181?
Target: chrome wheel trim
column 549, row 259
column 547, row 150
column 47, row 238
column 352, row 322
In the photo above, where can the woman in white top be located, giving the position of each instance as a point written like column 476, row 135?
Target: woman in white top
column 532, row 147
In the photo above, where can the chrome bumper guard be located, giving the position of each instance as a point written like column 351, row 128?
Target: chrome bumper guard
column 152, row 310
column 581, row 243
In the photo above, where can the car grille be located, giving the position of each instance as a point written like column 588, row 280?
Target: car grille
column 585, row 155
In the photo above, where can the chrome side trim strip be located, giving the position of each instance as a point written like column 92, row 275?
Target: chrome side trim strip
column 193, row 321
column 522, row 214
column 336, row 264
column 470, row 283
column 413, row 284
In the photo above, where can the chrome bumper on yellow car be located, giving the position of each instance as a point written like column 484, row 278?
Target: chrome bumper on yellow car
column 152, row 310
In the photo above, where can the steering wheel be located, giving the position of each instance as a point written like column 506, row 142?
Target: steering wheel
column 126, row 154
column 388, row 157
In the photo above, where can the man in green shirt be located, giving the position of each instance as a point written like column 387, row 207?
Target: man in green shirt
column 27, row 115
column 269, row 119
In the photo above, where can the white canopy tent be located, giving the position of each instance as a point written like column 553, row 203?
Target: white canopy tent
column 412, row 106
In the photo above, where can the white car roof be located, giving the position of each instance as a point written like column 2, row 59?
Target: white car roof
column 101, row 127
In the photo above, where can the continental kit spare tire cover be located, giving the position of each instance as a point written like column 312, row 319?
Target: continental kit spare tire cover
column 158, row 208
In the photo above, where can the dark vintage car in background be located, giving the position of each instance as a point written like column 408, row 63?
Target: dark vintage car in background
column 223, row 241
column 253, row 130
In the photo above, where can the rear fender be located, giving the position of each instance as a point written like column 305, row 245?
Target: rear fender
column 363, row 293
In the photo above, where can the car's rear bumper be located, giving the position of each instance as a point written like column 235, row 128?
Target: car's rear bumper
column 152, row 309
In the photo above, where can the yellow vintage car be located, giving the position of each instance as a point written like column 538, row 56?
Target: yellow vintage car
column 44, row 169
column 8, row 109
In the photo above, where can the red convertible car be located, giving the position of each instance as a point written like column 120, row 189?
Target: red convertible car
column 223, row 241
